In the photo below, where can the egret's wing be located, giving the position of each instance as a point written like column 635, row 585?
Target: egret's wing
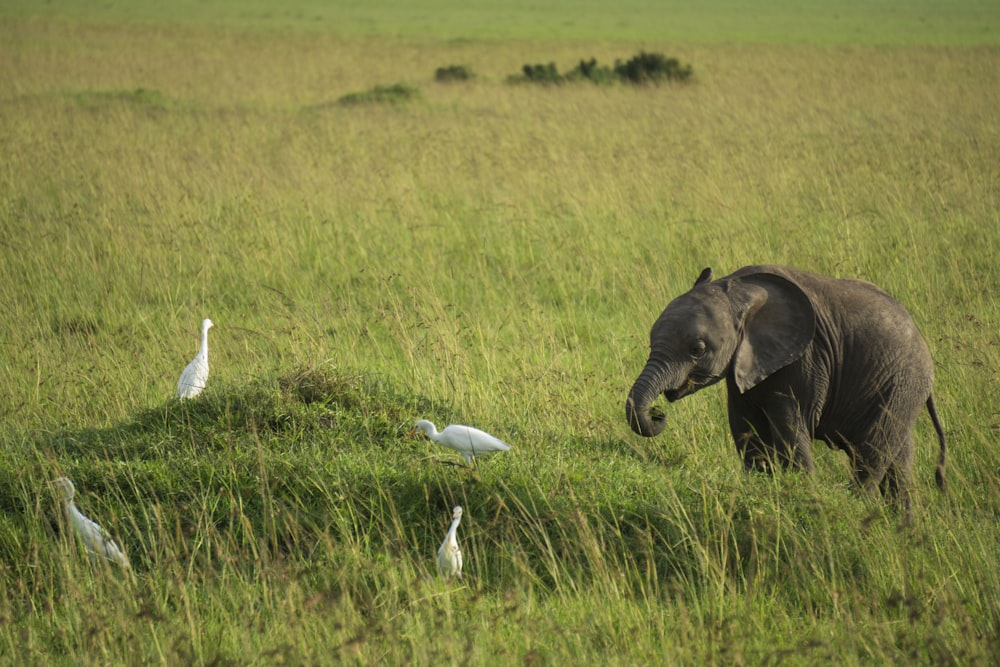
column 484, row 442
column 96, row 539
column 467, row 438
column 443, row 563
column 89, row 531
column 194, row 378
column 112, row 552
column 449, row 560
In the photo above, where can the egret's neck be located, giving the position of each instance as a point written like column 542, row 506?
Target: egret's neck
column 204, row 342
column 68, row 491
column 453, row 530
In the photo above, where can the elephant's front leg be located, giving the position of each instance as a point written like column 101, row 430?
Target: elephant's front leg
column 755, row 454
column 751, row 433
column 789, row 433
column 770, row 431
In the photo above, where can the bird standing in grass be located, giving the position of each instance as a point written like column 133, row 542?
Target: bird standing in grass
column 94, row 538
column 195, row 376
column 449, row 555
column 469, row 442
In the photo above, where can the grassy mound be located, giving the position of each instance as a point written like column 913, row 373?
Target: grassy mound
column 308, row 485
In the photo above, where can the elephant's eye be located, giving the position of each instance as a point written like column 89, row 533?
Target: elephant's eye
column 697, row 348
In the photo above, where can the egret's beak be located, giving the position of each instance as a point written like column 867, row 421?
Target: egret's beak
column 412, row 432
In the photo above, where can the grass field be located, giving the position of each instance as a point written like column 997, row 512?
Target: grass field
column 490, row 254
column 922, row 22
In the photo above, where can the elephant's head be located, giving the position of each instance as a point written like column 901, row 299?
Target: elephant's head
column 745, row 326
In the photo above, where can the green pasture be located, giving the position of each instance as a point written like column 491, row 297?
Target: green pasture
column 485, row 253
column 920, row 22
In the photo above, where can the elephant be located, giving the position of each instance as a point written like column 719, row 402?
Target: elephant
column 805, row 357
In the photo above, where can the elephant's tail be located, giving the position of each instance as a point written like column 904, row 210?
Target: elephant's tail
column 943, row 454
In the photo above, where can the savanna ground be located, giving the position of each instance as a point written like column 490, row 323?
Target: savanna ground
column 491, row 254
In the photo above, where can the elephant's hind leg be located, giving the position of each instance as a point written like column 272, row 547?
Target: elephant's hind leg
column 886, row 468
column 869, row 471
column 895, row 484
column 895, row 487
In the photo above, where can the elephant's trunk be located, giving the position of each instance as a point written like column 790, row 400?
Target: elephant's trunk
column 642, row 394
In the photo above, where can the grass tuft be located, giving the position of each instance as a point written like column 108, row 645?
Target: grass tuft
column 395, row 94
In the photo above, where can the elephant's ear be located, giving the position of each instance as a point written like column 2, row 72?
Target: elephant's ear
column 777, row 321
column 705, row 277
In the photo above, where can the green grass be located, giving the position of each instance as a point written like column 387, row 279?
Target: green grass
column 485, row 254
column 920, row 22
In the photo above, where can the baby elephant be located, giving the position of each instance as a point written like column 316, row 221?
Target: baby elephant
column 805, row 357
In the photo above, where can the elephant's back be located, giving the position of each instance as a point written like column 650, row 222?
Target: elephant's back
column 882, row 358
column 855, row 304
column 859, row 322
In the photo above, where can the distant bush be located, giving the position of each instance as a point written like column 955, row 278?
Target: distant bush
column 590, row 70
column 394, row 94
column 453, row 73
column 647, row 67
column 640, row 69
column 542, row 73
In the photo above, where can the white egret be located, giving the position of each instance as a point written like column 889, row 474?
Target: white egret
column 469, row 442
column 449, row 555
column 94, row 538
column 195, row 376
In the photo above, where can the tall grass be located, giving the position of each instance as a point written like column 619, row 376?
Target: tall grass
column 485, row 254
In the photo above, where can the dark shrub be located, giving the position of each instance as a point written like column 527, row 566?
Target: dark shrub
column 542, row 73
column 591, row 71
column 452, row 73
column 640, row 69
column 652, row 67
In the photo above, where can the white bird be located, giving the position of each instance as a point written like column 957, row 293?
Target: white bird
column 449, row 555
column 94, row 538
column 469, row 442
column 195, row 376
